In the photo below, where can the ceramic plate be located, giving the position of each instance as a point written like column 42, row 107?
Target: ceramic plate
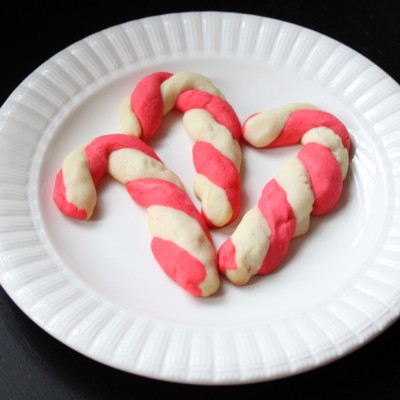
column 95, row 286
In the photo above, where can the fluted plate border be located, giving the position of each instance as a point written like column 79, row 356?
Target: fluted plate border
column 59, row 302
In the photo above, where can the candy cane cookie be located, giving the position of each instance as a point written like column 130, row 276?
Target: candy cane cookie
column 181, row 242
column 209, row 120
column 309, row 184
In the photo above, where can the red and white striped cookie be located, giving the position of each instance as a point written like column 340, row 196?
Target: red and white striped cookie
column 210, row 121
column 182, row 244
column 310, row 183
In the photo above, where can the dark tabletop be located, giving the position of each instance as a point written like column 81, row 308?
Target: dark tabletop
column 34, row 365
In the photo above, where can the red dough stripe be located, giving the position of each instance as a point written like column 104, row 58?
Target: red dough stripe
column 277, row 211
column 226, row 256
column 147, row 104
column 59, row 197
column 325, row 176
column 176, row 262
column 301, row 121
column 220, row 170
column 220, row 109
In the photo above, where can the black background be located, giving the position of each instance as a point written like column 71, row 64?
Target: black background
column 33, row 365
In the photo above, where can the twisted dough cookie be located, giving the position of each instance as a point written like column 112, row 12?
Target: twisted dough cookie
column 209, row 120
column 182, row 244
column 310, row 183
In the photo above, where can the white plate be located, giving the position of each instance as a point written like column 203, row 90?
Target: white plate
column 95, row 286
